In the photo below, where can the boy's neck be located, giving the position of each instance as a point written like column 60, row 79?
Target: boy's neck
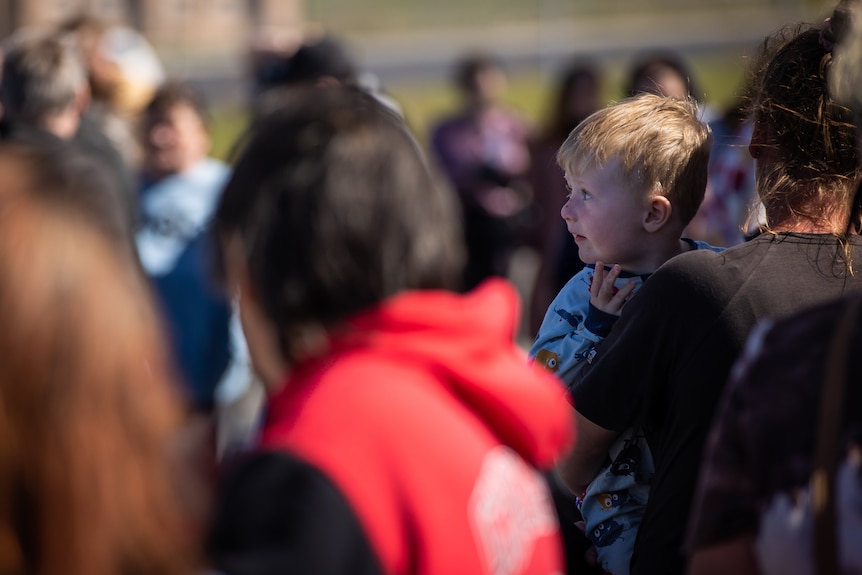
column 660, row 253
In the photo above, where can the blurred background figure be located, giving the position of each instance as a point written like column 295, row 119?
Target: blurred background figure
column 91, row 427
column 318, row 60
column 575, row 96
column 666, row 73
column 728, row 213
column 123, row 71
column 322, row 60
column 483, row 150
column 180, row 187
column 662, row 73
column 45, row 98
column 44, row 86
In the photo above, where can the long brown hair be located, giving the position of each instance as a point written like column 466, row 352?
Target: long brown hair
column 88, row 415
column 814, row 135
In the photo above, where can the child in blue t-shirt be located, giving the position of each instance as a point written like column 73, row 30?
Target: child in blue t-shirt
column 636, row 173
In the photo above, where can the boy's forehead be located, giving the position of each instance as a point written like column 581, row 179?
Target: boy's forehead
column 583, row 165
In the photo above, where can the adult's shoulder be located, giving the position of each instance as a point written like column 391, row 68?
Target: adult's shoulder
column 696, row 259
column 699, row 267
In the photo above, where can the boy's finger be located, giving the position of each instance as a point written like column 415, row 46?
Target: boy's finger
column 611, row 278
column 598, row 279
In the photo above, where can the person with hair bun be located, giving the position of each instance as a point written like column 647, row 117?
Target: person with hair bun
column 780, row 485
column 665, row 362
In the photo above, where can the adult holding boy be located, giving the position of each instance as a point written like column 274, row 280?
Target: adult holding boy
column 779, row 486
column 664, row 364
column 636, row 172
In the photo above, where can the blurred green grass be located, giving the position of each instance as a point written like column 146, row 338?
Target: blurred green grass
column 383, row 15
column 719, row 76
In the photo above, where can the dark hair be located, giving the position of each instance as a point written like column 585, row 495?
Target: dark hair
column 336, row 211
column 321, row 57
column 650, row 65
column 177, row 93
column 813, row 135
column 468, row 69
column 579, row 73
column 59, row 173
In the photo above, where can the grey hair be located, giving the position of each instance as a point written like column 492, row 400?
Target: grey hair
column 42, row 75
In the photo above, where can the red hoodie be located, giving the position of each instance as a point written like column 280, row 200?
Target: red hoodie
column 427, row 418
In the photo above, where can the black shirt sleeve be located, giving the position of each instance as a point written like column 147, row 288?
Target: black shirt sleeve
column 610, row 388
column 634, row 377
column 278, row 515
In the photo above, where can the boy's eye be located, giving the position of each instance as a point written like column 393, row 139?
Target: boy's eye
column 585, row 194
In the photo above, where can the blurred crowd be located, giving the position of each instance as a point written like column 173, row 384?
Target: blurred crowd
column 309, row 357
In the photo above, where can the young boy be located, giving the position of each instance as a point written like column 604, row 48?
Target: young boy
column 636, row 172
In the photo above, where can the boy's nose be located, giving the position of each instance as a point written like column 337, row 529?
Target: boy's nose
column 566, row 212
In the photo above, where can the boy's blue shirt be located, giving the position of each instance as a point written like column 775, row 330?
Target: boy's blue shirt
column 573, row 327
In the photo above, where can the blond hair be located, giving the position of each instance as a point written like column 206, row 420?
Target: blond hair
column 660, row 143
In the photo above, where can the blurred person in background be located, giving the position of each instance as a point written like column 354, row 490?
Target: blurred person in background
column 123, row 72
column 318, row 60
column 728, row 214
column 404, row 430
column 180, row 188
column 45, row 98
column 780, row 487
column 483, row 150
column 666, row 73
column 93, row 474
column 576, row 95
column 731, row 212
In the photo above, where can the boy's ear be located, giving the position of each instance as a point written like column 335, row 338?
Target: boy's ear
column 657, row 214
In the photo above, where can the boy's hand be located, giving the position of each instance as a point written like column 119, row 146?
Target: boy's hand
column 603, row 294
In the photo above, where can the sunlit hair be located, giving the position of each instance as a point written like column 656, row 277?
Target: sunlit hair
column 41, row 76
column 814, row 176
column 337, row 210
column 88, row 412
column 661, row 145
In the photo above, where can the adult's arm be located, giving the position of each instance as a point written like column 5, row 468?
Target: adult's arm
column 732, row 556
column 582, row 464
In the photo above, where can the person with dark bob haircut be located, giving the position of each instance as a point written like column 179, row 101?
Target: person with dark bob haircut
column 404, row 430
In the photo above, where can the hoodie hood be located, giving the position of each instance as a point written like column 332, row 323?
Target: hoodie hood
column 468, row 342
